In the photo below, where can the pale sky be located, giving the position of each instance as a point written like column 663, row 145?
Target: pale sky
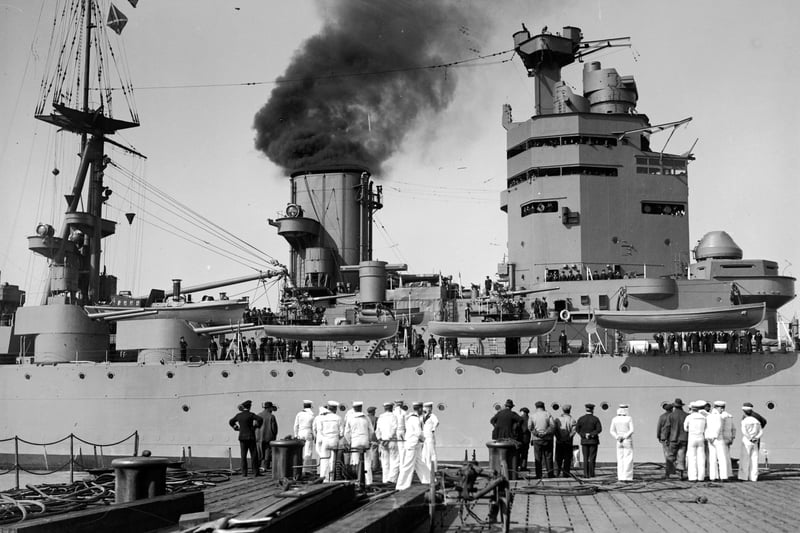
column 731, row 65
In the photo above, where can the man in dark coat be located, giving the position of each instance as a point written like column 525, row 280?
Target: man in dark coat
column 589, row 428
column 677, row 437
column 246, row 423
column 266, row 433
column 505, row 423
column 669, row 468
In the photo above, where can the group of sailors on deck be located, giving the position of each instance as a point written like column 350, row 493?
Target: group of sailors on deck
column 743, row 341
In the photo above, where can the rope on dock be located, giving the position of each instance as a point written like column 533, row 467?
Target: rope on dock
column 36, row 501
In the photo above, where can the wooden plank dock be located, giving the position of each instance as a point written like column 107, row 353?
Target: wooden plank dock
column 649, row 503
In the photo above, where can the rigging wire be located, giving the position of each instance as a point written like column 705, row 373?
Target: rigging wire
column 198, row 219
column 281, row 81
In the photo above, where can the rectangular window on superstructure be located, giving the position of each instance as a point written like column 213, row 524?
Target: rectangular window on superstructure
column 663, row 208
column 536, row 208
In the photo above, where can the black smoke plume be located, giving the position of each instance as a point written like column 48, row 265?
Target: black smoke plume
column 353, row 91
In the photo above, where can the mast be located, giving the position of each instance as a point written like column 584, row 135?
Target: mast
column 75, row 252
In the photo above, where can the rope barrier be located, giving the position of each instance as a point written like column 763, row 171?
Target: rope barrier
column 71, row 463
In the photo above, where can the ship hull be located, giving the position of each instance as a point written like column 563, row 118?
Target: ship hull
column 177, row 407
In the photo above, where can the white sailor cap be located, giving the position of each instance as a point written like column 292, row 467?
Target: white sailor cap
column 719, row 403
column 333, row 403
column 416, row 404
column 308, row 402
column 388, row 404
column 698, row 404
column 623, row 406
column 358, row 403
column 427, row 404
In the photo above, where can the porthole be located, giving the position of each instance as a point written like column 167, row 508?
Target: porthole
column 27, row 376
column 554, row 369
column 170, row 374
column 360, row 371
column 685, row 367
column 498, row 370
column 497, row 407
column 386, row 371
column 625, row 368
column 604, row 406
column 769, row 366
column 110, row 375
column 224, row 373
column 770, row 405
column 555, row 407
column 185, row 408
column 441, row 407
column 459, row 370
column 419, row 371
column 273, row 373
column 325, row 372
column 290, row 373
column 82, row 375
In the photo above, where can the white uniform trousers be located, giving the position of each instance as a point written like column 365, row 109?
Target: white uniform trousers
column 412, row 461
column 429, row 454
column 625, row 460
column 355, row 458
column 308, row 447
column 390, row 461
column 696, row 459
column 327, row 457
column 718, row 460
column 748, row 460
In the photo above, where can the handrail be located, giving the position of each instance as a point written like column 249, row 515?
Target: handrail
column 72, row 459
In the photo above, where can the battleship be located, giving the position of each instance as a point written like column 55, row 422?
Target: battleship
column 600, row 297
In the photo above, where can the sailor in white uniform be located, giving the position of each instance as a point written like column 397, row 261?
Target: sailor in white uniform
column 400, row 419
column 748, row 457
column 359, row 433
column 728, row 435
column 304, row 430
column 717, row 448
column 622, row 430
column 412, row 451
column 330, row 435
column 695, row 425
column 430, row 423
column 386, row 433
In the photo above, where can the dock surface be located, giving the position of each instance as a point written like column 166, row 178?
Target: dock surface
column 649, row 503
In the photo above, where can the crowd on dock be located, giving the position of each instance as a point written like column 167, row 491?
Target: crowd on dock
column 401, row 439
column 695, row 444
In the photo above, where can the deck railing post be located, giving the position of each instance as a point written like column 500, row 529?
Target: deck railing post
column 71, row 458
column 136, row 443
column 16, row 459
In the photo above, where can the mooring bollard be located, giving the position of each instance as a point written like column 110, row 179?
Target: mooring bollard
column 287, row 458
column 138, row 478
column 503, row 451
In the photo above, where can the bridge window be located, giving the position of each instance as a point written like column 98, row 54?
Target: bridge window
column 654, row 208
column 534, row 208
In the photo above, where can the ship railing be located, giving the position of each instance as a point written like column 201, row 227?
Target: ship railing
column 74, row 460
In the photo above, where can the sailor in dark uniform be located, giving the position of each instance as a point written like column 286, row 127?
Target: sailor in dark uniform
column 562, row 341
column 589, row 429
